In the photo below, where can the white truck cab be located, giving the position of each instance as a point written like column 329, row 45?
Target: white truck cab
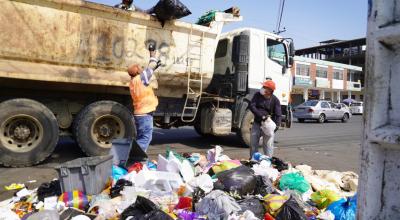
column 244, row 59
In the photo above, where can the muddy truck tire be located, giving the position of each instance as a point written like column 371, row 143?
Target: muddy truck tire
column 244, row 132
column 101, row 122
column 28, row 132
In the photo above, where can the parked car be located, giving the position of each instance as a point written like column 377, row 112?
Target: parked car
column 321, row 111
column 357, row 108
column 343, row 105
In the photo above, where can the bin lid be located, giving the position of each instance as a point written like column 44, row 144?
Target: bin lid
column 89, row 161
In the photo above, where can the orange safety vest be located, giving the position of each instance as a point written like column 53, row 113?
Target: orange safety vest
column 143, row 98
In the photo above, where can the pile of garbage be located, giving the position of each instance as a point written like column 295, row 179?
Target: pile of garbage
column 188, row 187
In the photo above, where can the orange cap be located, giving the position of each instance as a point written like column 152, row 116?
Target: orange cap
column 134, row 70
column 269, row 84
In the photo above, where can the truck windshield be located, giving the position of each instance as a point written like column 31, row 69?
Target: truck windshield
column 276, row 51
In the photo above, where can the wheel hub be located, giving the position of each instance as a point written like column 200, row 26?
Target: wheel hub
column 22, row 132
column 106, row 128
column 105, row 131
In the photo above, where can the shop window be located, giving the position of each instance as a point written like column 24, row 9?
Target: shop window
column 322, row 72
column 338, row 74
column 302, row 69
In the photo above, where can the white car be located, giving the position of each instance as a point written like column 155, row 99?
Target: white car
column 356, row 108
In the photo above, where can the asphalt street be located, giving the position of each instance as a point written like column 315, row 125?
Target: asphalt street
column 332, row 145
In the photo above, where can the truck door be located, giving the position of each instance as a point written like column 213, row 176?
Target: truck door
column 274, row 65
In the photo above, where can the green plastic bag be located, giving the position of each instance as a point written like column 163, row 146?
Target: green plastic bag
column 294, row 181
column 324, row 198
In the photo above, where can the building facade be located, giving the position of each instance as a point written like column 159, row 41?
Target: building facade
column 318, row 79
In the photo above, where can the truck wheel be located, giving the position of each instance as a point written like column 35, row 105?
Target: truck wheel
column 28, row 132
column 245, row 130
column 197, row 128
column 101, row 122
column 289, row 119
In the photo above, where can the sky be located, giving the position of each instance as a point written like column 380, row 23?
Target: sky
column 308, row 22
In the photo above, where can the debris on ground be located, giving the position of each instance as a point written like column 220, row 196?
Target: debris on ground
column 189, row 187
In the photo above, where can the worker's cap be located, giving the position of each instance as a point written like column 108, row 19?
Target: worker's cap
column 134, row 70
column 269, row 84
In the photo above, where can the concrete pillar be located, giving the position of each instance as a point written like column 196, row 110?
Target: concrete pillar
column 349, row 94
column 378, row 192
column 305, row 94
column 339, row 98
column 322, row 94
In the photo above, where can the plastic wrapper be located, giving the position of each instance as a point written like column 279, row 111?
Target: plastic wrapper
column 225, row 165
column 49, row 189
column 239, row 180
column 75, row 199
column 264, row 186
column 291, row 210
column 144, row 209
column 294, row 181
column 217, row 205
column 268, row 127
column 118, row 187
column 344, row 209
column 187, row 215
column 279, row 164
column 254, row 205
column 118, row 172
column 324, row 198
column 135, row 167
column 184, row 203
column 273, row 203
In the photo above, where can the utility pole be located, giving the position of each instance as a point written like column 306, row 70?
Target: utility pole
column 379, row 189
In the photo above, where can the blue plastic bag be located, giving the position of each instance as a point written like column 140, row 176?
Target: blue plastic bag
column 117, row 173
column 344, row 209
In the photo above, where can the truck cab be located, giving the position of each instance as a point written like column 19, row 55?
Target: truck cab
column 244, row 59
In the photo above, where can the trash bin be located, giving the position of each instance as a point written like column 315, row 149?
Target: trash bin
column 89, row 174
column 120, row 151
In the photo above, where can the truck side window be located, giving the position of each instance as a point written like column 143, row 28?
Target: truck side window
column 222, row 48
column 276, row 51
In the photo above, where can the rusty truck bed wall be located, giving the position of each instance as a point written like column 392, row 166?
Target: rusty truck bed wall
column 73, row 41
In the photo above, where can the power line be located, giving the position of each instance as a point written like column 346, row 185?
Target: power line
column 279, row 19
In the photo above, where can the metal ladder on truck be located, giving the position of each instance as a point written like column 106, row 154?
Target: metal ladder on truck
column 194, row 85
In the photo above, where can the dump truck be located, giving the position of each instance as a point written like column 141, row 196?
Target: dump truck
column 63, row 72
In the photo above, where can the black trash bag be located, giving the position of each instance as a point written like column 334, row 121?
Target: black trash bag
column 279, row 164
column 248, row 163
column 254, row 205
column 166, row 10
column 50, row 189
column 291, row 210
column 119, row 186
column 144, row 209
column 264, row 186
column 239, row 180
column 197, row 195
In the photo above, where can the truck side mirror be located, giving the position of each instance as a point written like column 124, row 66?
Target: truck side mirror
column 291, row 61
column 292, row 51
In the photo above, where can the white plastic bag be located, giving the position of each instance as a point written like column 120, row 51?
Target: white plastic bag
column 268, row 127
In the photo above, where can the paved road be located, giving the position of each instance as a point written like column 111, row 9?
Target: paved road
column 332, row 145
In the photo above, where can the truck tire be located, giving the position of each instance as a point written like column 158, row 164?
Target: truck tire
column 289, row 119
column 197, row 128
column 245, row 129
column 28, row 132
column 101, row 122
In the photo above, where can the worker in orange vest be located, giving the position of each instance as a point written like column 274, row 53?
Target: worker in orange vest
column 143, row 98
